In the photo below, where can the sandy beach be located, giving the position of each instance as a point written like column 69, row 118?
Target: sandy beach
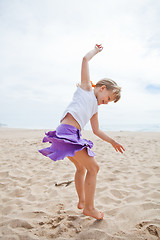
column 36, row 203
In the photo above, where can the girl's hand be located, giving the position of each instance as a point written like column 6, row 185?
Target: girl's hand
column 99, row 47
column 118, row 147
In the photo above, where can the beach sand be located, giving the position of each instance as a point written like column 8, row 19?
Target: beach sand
column 128, row 189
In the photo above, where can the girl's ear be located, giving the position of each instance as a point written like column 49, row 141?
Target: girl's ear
column 102, row 87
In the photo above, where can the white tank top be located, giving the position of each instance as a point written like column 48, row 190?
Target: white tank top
column 83, row 106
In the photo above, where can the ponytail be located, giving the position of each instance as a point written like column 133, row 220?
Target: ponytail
column 93, row 85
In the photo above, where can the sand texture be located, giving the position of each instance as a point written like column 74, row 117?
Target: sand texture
column 128, row 189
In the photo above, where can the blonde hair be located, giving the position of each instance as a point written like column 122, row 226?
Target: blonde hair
column 110, row 86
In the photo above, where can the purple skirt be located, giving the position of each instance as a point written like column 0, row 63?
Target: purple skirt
column 65, row 141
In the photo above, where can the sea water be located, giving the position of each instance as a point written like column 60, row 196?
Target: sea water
column 128, row 127
column 132, row 127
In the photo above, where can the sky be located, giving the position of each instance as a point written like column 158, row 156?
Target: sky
column 42, row 43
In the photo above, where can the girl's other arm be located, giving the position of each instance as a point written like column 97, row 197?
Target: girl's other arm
column 95, row 127
column 85, row 77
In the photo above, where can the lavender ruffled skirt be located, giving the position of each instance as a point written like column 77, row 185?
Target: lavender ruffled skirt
column 65, row 141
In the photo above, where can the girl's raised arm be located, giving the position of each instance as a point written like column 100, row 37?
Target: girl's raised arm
column 85, row 77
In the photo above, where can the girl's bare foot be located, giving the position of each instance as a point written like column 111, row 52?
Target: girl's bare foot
column 80, row 205
column 94, row 213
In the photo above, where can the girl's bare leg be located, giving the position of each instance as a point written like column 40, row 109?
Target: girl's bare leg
column 79, row 182
column 82, row 158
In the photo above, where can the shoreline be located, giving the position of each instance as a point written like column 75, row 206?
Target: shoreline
column 85, row 130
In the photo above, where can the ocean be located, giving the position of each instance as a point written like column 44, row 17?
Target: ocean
column 132, row 127
column 103, row 127
column 129, row 127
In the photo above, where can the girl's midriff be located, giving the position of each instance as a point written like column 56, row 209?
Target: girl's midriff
column 69, row 119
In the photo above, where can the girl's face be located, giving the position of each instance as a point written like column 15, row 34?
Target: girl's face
column 104, row 96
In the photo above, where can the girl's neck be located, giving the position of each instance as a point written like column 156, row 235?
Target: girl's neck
column 95, row 92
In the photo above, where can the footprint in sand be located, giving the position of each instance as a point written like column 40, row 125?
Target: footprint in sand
column 6, row 210
column 4, row 174
column 116, row 193
column 152, row 227
column 154, row 230
column 17, row 192
column 17, row 223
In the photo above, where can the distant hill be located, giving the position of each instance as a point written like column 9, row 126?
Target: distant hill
column 3, row 125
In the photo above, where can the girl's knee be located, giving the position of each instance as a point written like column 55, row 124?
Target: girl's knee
column 94, row 169
column 81, row 170
column 87, row 162
column 97, row 168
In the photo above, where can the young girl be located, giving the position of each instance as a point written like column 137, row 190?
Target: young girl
column 67, row 142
